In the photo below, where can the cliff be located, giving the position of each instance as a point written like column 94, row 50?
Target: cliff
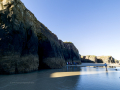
column 26, row 44
column 89, row 59
column 70, row 52
column 106, row 59
column 98, row 59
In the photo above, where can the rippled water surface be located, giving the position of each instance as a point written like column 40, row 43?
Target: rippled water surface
column 68, row 78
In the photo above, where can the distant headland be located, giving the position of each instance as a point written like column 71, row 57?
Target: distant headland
column 98, row 59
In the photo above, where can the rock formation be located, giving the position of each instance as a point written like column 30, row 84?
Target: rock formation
column 89, row 59
column 18, row 41
column 116, row 61
column 98, row 59
column 26, row 44
column 70, row 52
column 106, row 59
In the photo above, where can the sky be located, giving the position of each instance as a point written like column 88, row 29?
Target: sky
column 92, row 25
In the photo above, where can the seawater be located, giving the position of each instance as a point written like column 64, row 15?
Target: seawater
column 67, row 78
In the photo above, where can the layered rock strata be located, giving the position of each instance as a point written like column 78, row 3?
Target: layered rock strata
column 26, row 44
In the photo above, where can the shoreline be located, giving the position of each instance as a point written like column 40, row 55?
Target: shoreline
column 95, row 64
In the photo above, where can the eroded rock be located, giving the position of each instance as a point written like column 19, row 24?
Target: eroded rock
column 98, row 59
column 26, row 44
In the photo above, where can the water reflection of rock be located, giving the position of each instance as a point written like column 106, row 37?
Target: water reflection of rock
column 72, row 68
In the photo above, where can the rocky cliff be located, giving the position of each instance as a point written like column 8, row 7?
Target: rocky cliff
column 98, row 59
column 89, row 59
column 106, row 59
column 70, row 52
column 26, row 44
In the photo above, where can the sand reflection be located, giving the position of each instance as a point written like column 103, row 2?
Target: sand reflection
column 66, row 74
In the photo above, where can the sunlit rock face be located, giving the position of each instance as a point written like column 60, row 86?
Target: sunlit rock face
column 106, row 59
column 18, row 40
column 5, row 3
column 25, row 43
column 98, row 59
column 89, row 59
column 116, row 61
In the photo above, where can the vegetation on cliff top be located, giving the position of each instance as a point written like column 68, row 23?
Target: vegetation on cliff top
column 67, row 42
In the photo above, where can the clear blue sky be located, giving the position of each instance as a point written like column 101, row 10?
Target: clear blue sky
column 92, row 25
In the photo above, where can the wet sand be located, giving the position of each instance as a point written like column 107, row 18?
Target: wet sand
column 95, row 64
column 67, row 78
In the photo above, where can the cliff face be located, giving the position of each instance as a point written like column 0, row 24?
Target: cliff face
column 50, row 53
column 70, row 52
column 106, row 59
column 89, row 59
column 25, row 43
column 117, row 61
column 18, row 40
column 98, row 59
